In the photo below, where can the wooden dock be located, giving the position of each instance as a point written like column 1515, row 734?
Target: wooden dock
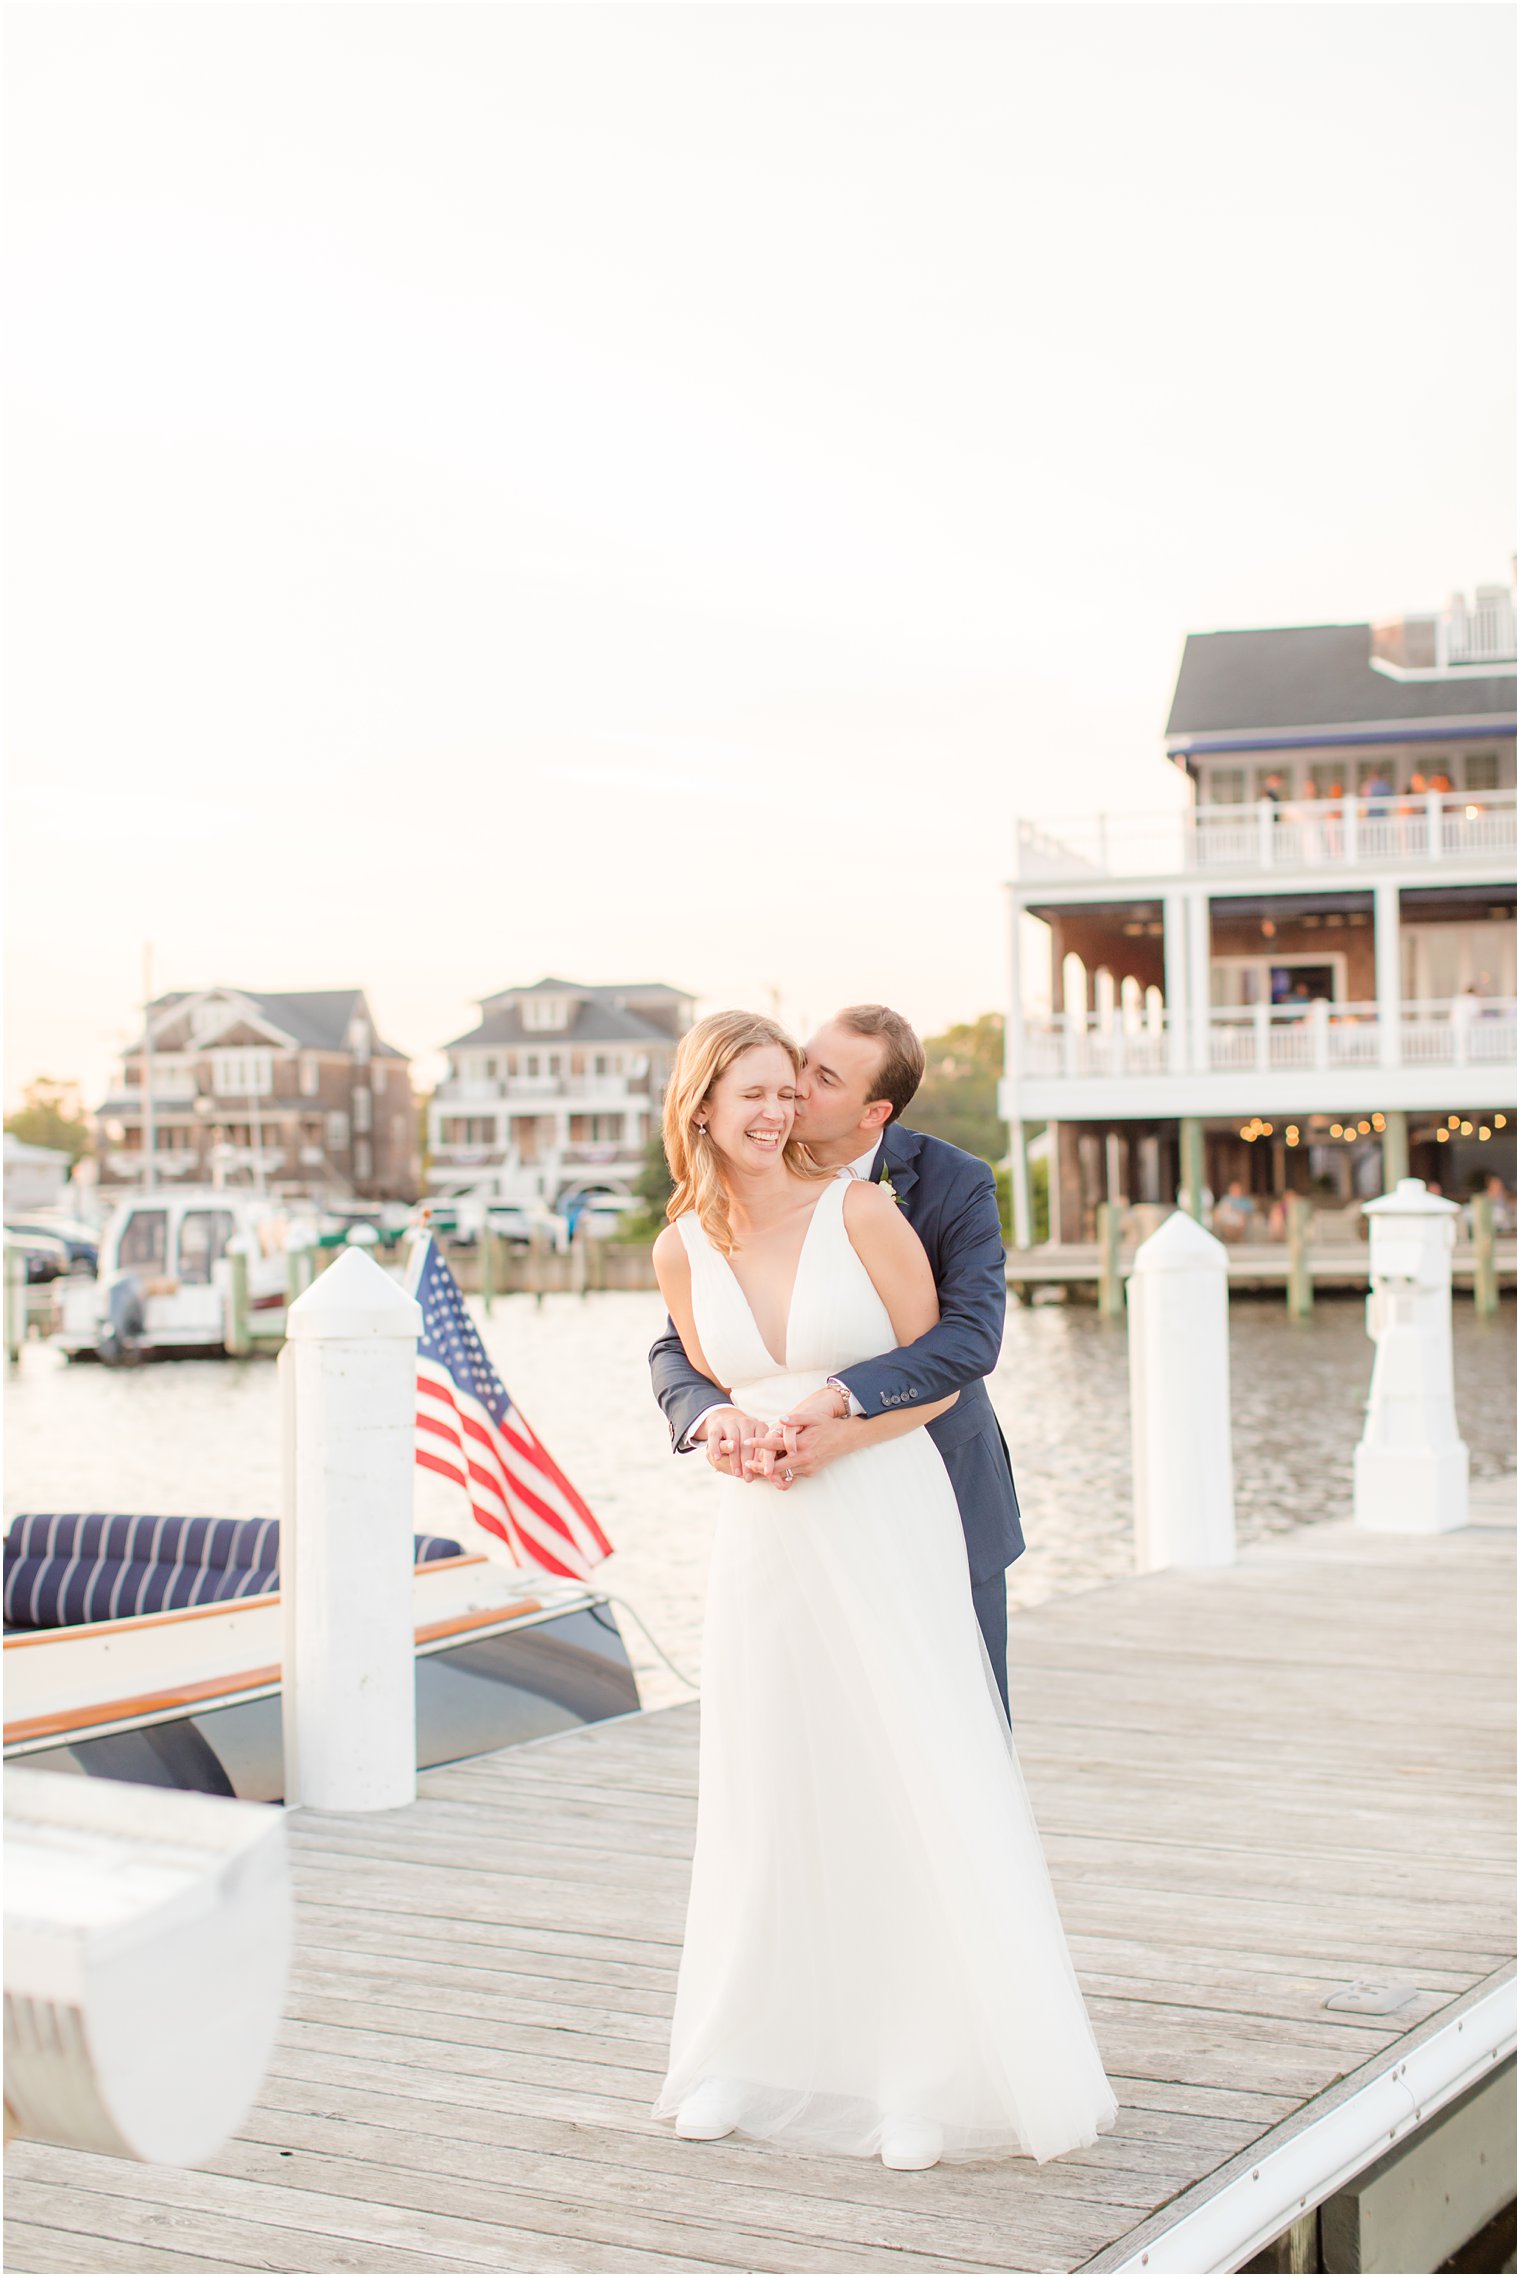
column 1078, row 1265
column 1258, row 1789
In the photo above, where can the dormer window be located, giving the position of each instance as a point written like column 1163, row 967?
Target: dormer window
column 208, row 1018
column 545, row 1012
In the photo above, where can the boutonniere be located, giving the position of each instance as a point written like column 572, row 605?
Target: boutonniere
column 887, row 1187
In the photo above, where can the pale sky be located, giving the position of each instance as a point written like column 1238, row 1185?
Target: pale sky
column 651, row 492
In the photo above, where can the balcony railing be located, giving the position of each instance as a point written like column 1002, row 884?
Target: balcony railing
column 1331, row 835
column 1461, row 1032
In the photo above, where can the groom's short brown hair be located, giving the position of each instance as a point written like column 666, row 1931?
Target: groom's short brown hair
column 902, row 1055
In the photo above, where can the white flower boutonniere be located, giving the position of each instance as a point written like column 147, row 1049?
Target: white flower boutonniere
column 887, row 1187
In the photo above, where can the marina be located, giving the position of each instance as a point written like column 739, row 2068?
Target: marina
column 202, row 1435
column 1277, row 1806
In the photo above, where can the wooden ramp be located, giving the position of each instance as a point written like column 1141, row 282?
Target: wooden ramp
column 1257, row 1788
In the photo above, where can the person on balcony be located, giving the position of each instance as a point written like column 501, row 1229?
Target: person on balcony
column 1233, row 1212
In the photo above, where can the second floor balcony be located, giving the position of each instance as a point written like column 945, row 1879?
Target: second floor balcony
column 1425, row 832
column 1456, row 1033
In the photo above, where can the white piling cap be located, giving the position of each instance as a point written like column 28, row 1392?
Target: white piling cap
column 1181, row 1245
column 1411, row 1198
column 354, row 1299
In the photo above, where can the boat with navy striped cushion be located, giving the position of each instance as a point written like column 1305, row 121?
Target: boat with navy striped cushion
column 67, row 1567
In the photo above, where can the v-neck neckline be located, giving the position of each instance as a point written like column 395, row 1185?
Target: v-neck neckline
column 786, row 1333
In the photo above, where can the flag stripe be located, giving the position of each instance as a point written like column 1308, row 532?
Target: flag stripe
column 515, row 1489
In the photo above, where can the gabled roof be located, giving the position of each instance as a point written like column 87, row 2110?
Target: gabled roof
column 1299, row 677
column 594, row 1023
column 315, row 1018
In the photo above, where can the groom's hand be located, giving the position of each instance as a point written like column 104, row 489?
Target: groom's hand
column 726, row 1433
column 803, row 1445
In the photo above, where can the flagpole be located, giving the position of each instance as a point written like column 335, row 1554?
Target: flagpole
column 150, row 1133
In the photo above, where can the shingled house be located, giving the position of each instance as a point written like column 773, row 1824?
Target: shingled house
column 295, row 1092
column 556, row 1091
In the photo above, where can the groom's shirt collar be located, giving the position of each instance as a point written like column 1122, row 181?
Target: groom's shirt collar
column 863, row 1164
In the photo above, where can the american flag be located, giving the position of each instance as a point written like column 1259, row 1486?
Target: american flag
column 469, row 1431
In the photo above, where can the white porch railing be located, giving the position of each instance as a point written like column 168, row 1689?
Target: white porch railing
column 1336, row 835
column 1461, row 1032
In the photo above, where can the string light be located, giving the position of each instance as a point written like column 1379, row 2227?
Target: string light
column 1442, row 1137
column 1291, row 1134
column 1484, row 1132
column 1467, row 1130
column 1379, row 1122
column 1500, row 1121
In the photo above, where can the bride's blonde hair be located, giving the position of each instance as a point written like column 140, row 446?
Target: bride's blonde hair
column 705, row 1052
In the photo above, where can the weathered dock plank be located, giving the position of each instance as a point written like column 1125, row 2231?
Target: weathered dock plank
column 1255, row 1787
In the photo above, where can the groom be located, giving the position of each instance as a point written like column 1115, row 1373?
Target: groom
column 862, row 1069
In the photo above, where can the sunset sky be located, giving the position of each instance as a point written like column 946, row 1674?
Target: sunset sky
column 651, row 492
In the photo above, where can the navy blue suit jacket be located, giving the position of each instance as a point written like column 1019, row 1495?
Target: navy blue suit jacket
column 949, row 1199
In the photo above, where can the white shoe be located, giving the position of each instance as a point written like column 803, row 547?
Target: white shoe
column 910, row 2143
column 710, row 2111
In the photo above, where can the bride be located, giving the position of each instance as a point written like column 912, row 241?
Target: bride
column 874, row 1963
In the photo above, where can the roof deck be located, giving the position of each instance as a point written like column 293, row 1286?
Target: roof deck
column 1276, row 1807
column 1305, row 842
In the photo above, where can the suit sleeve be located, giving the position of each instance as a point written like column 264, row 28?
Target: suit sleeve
column 683, row 1392
column 965, row 1342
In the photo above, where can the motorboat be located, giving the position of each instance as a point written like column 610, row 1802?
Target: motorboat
column 189, row 1695
column 165, row 1281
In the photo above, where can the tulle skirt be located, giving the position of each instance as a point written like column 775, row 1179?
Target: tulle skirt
column 872, row 1932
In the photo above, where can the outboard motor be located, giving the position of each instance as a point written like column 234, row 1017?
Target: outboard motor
column 122, row 1331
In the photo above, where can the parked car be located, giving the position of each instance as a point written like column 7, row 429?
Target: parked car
column 598, row 1214
column 46, row 1257
column 81, row 1241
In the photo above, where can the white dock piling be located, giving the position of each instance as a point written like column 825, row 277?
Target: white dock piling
column 147, row 1947
column 1179, row 1372
column 350, row 1381
column 1411, row 1465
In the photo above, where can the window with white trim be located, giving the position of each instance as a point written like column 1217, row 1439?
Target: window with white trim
column 243, row 1074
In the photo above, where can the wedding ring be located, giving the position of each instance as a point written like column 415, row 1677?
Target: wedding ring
column 787, row 1476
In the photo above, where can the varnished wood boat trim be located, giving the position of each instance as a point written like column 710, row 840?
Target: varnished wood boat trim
column 234, row 1686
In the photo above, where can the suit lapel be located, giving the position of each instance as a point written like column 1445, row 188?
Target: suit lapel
column 897, row 1158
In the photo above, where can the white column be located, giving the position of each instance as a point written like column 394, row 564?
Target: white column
column 1174, row 917
column 1390, row 990
column 1198, row 980
column 1013, row 1069
column 1411, row 1466
column 346, row 1556
column 1179, row 1358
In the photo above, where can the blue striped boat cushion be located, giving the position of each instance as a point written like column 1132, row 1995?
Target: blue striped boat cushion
column 64, row 1567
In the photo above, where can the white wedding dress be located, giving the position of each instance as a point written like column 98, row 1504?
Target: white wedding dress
column 872, row 1933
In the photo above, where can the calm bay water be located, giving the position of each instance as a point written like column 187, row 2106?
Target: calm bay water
column 202, row 1437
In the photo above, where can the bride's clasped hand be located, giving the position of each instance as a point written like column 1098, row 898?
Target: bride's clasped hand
column 874, row 1964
